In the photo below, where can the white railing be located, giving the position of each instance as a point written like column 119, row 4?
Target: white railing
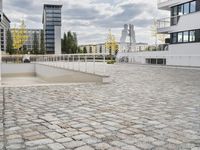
column 163, row 23
column 88, row 63
column 167, row 22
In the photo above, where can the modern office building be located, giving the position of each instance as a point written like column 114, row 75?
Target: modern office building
column 4, row 26
column 52, row 28
column 183, row 26
column 29, row 43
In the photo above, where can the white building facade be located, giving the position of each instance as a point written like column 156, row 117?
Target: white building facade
column 4, row 26
column 183, row 26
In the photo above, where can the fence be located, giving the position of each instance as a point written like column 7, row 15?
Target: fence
column 88, row 63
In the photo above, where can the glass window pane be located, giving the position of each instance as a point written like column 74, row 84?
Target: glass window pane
column 186, row 8
column 185, row 36
column 180, row 10
column 174, row 38
column 192, row 36
column 174, row 11
column 197, row 35
column 193, row 6
column 180, row 37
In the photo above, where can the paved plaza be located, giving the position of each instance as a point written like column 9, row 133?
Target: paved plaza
column 144, row 107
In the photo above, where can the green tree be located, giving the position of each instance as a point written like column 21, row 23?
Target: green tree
column 9, row 46
column 64, row 44
column 84, row 50
column 35, row 44
column 70, row 43
column 74, row 43
column 25, row 51
column 19, row 37
column 42, row 46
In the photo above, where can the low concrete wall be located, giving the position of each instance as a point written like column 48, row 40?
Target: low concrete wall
column 9, row 70
column 49, row 74
column 55, row 74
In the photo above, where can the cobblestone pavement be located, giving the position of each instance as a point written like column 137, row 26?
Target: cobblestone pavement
column 143, row 108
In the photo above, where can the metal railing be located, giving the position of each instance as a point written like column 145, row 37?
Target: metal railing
column 167, row 22
column 88, row 63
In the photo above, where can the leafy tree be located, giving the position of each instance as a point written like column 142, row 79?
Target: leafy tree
column 42, row 46
column 25, row 51
column 64, row 44
column 9, row 46
column 20, row 37
column 35, row 44
column 70, row 43
column 84, row 50
column 111, row 44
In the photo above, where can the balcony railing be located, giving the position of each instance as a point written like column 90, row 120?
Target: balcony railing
column 163, row 23
column 167, row 22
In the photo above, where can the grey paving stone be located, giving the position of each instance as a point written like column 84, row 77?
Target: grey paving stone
column 39, row 142
column 56, row 146
column 73, row 144
column 84, row 148
column 144, row 107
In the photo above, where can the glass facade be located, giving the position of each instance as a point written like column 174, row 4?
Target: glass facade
column 183, row 9
column 52, row 18
column 185, row 37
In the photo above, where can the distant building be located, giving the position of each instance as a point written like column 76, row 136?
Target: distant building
column 29, row 43
column 141, row 47
column 52, row 28
column 4, row 26
column 101, row 48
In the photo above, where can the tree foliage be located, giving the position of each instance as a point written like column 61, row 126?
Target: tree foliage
column 70, row 43
column 35, row 44
column 84, row 50
column 111, row 44
column 20, row 37
column 42, row 46
column 9, row 46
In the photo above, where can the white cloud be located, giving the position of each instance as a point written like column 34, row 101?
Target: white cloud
column 91, row 19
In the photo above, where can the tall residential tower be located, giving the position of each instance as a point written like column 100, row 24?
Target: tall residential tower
column 52, row 28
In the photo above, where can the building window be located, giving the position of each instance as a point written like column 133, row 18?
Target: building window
column 197, row 35
column 192, row 6
column 174, row 11
column 180, row 10
column 180, row 37
column 185, row 36
column 192, row 36
column 186, row 8
column 174, row 37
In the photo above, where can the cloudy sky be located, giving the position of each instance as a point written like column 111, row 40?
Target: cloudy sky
column 90, row 19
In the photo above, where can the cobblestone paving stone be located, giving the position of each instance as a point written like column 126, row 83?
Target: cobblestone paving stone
column 143, row 108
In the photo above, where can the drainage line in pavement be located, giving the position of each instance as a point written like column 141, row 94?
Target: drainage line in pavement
column 3, row 119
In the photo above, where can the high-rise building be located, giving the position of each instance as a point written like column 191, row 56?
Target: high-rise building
column 52, row 28
column 4, row 26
